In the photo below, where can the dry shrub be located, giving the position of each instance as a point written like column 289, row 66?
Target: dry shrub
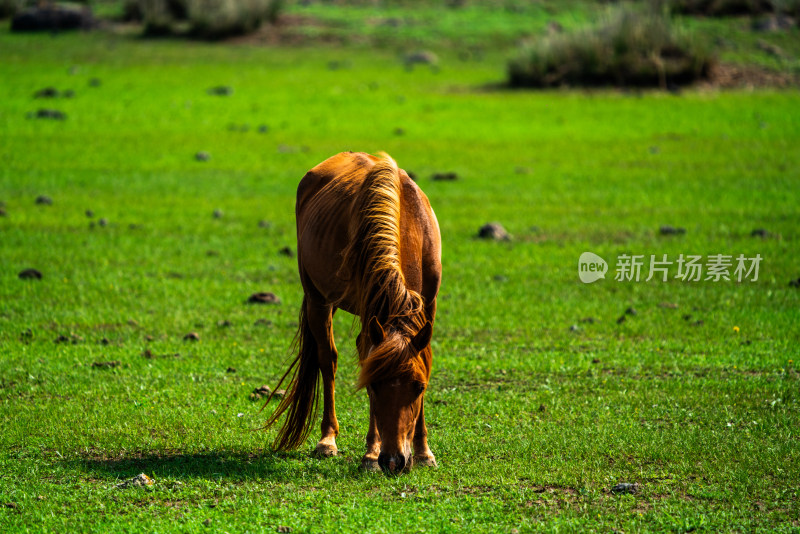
column 208, row 19
column 627, row 48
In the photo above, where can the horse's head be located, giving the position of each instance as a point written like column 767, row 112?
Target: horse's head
column 396, row 372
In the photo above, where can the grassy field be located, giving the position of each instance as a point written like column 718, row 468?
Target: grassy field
column 541, row 400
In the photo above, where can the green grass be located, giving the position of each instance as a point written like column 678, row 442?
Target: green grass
column 532, row 423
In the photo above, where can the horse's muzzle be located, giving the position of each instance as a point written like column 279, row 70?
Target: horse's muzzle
column 393, row 464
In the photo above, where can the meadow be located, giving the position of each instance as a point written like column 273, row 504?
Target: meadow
column 546, row 392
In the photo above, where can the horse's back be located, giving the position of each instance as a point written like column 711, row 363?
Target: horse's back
column 324, row 209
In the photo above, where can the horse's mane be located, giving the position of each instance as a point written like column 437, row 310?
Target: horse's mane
column 376, row 278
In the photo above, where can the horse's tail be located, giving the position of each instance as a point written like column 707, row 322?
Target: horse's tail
column 301, row 399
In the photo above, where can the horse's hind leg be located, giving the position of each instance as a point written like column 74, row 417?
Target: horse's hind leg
column 320, row 321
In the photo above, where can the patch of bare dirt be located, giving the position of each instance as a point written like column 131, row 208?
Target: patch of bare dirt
column 729, row 76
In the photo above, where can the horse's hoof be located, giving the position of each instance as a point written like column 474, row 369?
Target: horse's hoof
column 425, row 461
column 370, row 466
column 325, row 450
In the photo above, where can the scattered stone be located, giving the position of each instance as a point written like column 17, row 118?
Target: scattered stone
column 218, row 214
column 625, row 488
column 574, row 328
column 105, row 341
column 89, row 213
column 760, row 232
column 773, row 23
column 47, row 17
column 139, row 481
column 444, row 177
column 264, row 297
column 30, row 274
column 493, row 231
column 259, row 393
column 224, row 323
column 44, row 200
column 192, row 336
column 47, row 92
column 72, row 338
column 286, row 251
column 621, row 319
column 106, row 365
column 280, row 393
column 421, row 57
column 220, row 90
column 595, row 360
column 103, row 222
column 282, row 528
column 500, row 278
column 671, row 230
column 230, row 370
column 770, row 49
column 14, row 506
column 26, row 335
column 794, row 283
column 202, row 156
column 48, row 114
column 630, row 311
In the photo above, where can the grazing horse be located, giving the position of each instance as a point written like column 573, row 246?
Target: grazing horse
column 367, row 242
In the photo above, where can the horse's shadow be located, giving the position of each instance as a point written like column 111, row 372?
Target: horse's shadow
column 228, row 465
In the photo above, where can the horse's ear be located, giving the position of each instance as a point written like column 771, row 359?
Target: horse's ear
column 376, row 333
column 423, row 337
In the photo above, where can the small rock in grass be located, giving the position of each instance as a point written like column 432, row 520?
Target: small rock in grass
column 47, row 92
column 625, row 488
column 760, row 232
column 106, row 365
column 192, row 336
column 103, row 222
column 264, row 297
column 44, row 200
column 794, row 283
column 105, row 341
column 595, row 360
column 630, row 311
column 493, row 231
column 574, row 328
column 280, row 393
column 284, row 529
column 202, row 156
column 11, row 505
column 444, row 177
column 30, row 274
column 621, row 319
column 230, row 370
column 48, row 114
column 286, row 251
column 224, row 323
column 218, row 214
column 72, row 338
column 220, row 90
column 671, row 230
column 89, row 213
column 259, row 393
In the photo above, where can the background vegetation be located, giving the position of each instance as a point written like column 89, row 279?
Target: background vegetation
column 546, row 392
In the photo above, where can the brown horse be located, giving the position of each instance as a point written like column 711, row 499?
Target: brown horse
column 367, row 242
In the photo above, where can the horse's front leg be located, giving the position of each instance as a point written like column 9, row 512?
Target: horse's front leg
column 321, row 323
column 370, row 460
column 422, row 453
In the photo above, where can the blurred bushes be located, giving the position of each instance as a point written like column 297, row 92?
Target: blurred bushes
column 724, row 8
column 8, row 8
column 626, row 48
column 207, row 19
